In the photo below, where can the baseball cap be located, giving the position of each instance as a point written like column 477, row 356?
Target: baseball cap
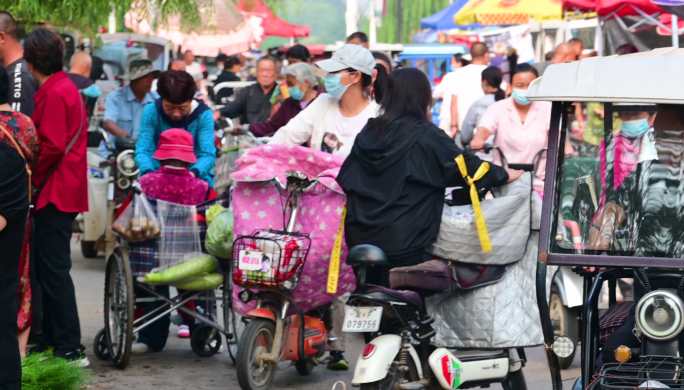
column 350, row 56
column 176, row 144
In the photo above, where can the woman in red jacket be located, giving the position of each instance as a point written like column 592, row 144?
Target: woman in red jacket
column 61, row 177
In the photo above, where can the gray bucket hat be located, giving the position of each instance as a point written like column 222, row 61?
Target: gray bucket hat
column 140, row 68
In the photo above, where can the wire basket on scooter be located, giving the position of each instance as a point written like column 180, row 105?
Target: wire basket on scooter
column 270, row 260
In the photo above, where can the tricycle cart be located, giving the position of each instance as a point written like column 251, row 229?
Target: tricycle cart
column 622, row 219
column 125, row 277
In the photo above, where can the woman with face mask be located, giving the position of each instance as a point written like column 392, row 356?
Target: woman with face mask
column 631, row 145
column 177, row 108
column 300, row 82
column 332, row 121
column 520, row 127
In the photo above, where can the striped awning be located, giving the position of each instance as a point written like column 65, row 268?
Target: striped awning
column 509, row 12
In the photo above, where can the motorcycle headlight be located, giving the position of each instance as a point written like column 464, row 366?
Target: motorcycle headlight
column 659, row 315
column 125, row 163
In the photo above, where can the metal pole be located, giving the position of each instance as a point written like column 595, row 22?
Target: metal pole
column 373, row 24
column 112, row 21
column 675, row 31
column 599, row 37
column 352, row 16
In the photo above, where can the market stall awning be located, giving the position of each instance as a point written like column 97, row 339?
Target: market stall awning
column 265, row 23
column 581, row 5
column 444, row 19
column 508, row 12
column 626, row 7
column 223, row 31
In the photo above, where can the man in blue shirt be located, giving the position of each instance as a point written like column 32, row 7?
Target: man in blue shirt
column 124, row 107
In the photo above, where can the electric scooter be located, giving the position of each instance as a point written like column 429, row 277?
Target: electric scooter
column 268, row 264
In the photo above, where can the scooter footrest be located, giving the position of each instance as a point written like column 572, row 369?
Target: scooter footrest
column 412, row 386
column 428, row 321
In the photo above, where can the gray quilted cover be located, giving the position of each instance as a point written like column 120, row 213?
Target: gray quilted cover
column 502, row 315
column 507, row 217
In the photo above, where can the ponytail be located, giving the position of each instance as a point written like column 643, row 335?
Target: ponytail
column 499, row 95
column 378, row 88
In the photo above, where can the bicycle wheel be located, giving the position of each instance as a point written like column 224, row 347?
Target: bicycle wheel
column 118, row 307
column 230, row 321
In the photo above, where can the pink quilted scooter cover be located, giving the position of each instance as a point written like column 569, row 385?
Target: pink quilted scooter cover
column 257, row 205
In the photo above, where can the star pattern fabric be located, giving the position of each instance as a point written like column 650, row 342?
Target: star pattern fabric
column 258, row 206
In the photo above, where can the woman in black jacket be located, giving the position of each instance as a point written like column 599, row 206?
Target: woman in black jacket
column 397, row 173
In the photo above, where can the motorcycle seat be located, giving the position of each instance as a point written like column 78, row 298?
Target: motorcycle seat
column 367, row 255
column 388, row 294
column 425, row 278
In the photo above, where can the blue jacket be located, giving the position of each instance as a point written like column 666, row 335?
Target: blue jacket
column 202, row 130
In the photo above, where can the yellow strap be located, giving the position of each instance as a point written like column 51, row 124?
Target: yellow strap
column 334, row 270
column 479, row 218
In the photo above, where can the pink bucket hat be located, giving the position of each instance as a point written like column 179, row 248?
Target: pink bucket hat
column 176, row 144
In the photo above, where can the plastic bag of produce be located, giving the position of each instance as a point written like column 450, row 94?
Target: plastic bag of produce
column 138, row 221
column 197, row 267
column 213, row 212
column 219, row 241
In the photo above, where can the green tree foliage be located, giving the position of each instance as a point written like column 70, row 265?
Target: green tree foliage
column 89, row 15
column 325, row 17
column 402, row 18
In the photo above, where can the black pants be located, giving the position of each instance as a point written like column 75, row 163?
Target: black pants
column 11, row 242
column 61, row 327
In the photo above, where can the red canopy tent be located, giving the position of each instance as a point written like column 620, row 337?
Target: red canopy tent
column 650, row 13
column 258, row 13
column 579, row 5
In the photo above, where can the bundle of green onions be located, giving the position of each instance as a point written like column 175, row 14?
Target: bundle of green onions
column 41, row 371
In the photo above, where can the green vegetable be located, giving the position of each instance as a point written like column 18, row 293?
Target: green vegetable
column 200, row 283
column 219, row 240
column 41, row 371
column 190, row 269
column 213, row 212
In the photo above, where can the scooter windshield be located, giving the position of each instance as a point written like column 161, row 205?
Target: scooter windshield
column 623, row 195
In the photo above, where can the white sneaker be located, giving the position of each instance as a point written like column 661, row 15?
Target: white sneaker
column 139, row 348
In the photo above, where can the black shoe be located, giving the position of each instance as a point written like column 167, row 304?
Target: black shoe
column 336, row 361
column 77, row 356
column 38, row 348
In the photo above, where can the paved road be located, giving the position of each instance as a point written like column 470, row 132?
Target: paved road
column 179, row 368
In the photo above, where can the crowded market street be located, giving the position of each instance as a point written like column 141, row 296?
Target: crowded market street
column 177, row 367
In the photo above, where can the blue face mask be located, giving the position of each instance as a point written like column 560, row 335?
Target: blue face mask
column 451, row 67
column 520, row 96
column 333, row 85
column 296, row 93
column 636, row 128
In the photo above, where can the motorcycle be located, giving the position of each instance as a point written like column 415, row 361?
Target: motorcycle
column 393, row 360
column 268, row 265
column 109, row 183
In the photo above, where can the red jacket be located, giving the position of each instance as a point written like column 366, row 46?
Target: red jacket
column 58, row 115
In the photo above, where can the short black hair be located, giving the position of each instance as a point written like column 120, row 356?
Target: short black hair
column 479, row 50
column 360, row 35
column 9, row 25
column 524, row 67
column 231, row 62
column 4, row 86
column 299, row 52
column 627, row 48
column 176, row 86
column 459, row 58
column 44, row 50
column 575, row 40
column 382, row 57
column 221, row 57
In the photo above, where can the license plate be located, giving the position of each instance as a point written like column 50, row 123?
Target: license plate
column 362, row 319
